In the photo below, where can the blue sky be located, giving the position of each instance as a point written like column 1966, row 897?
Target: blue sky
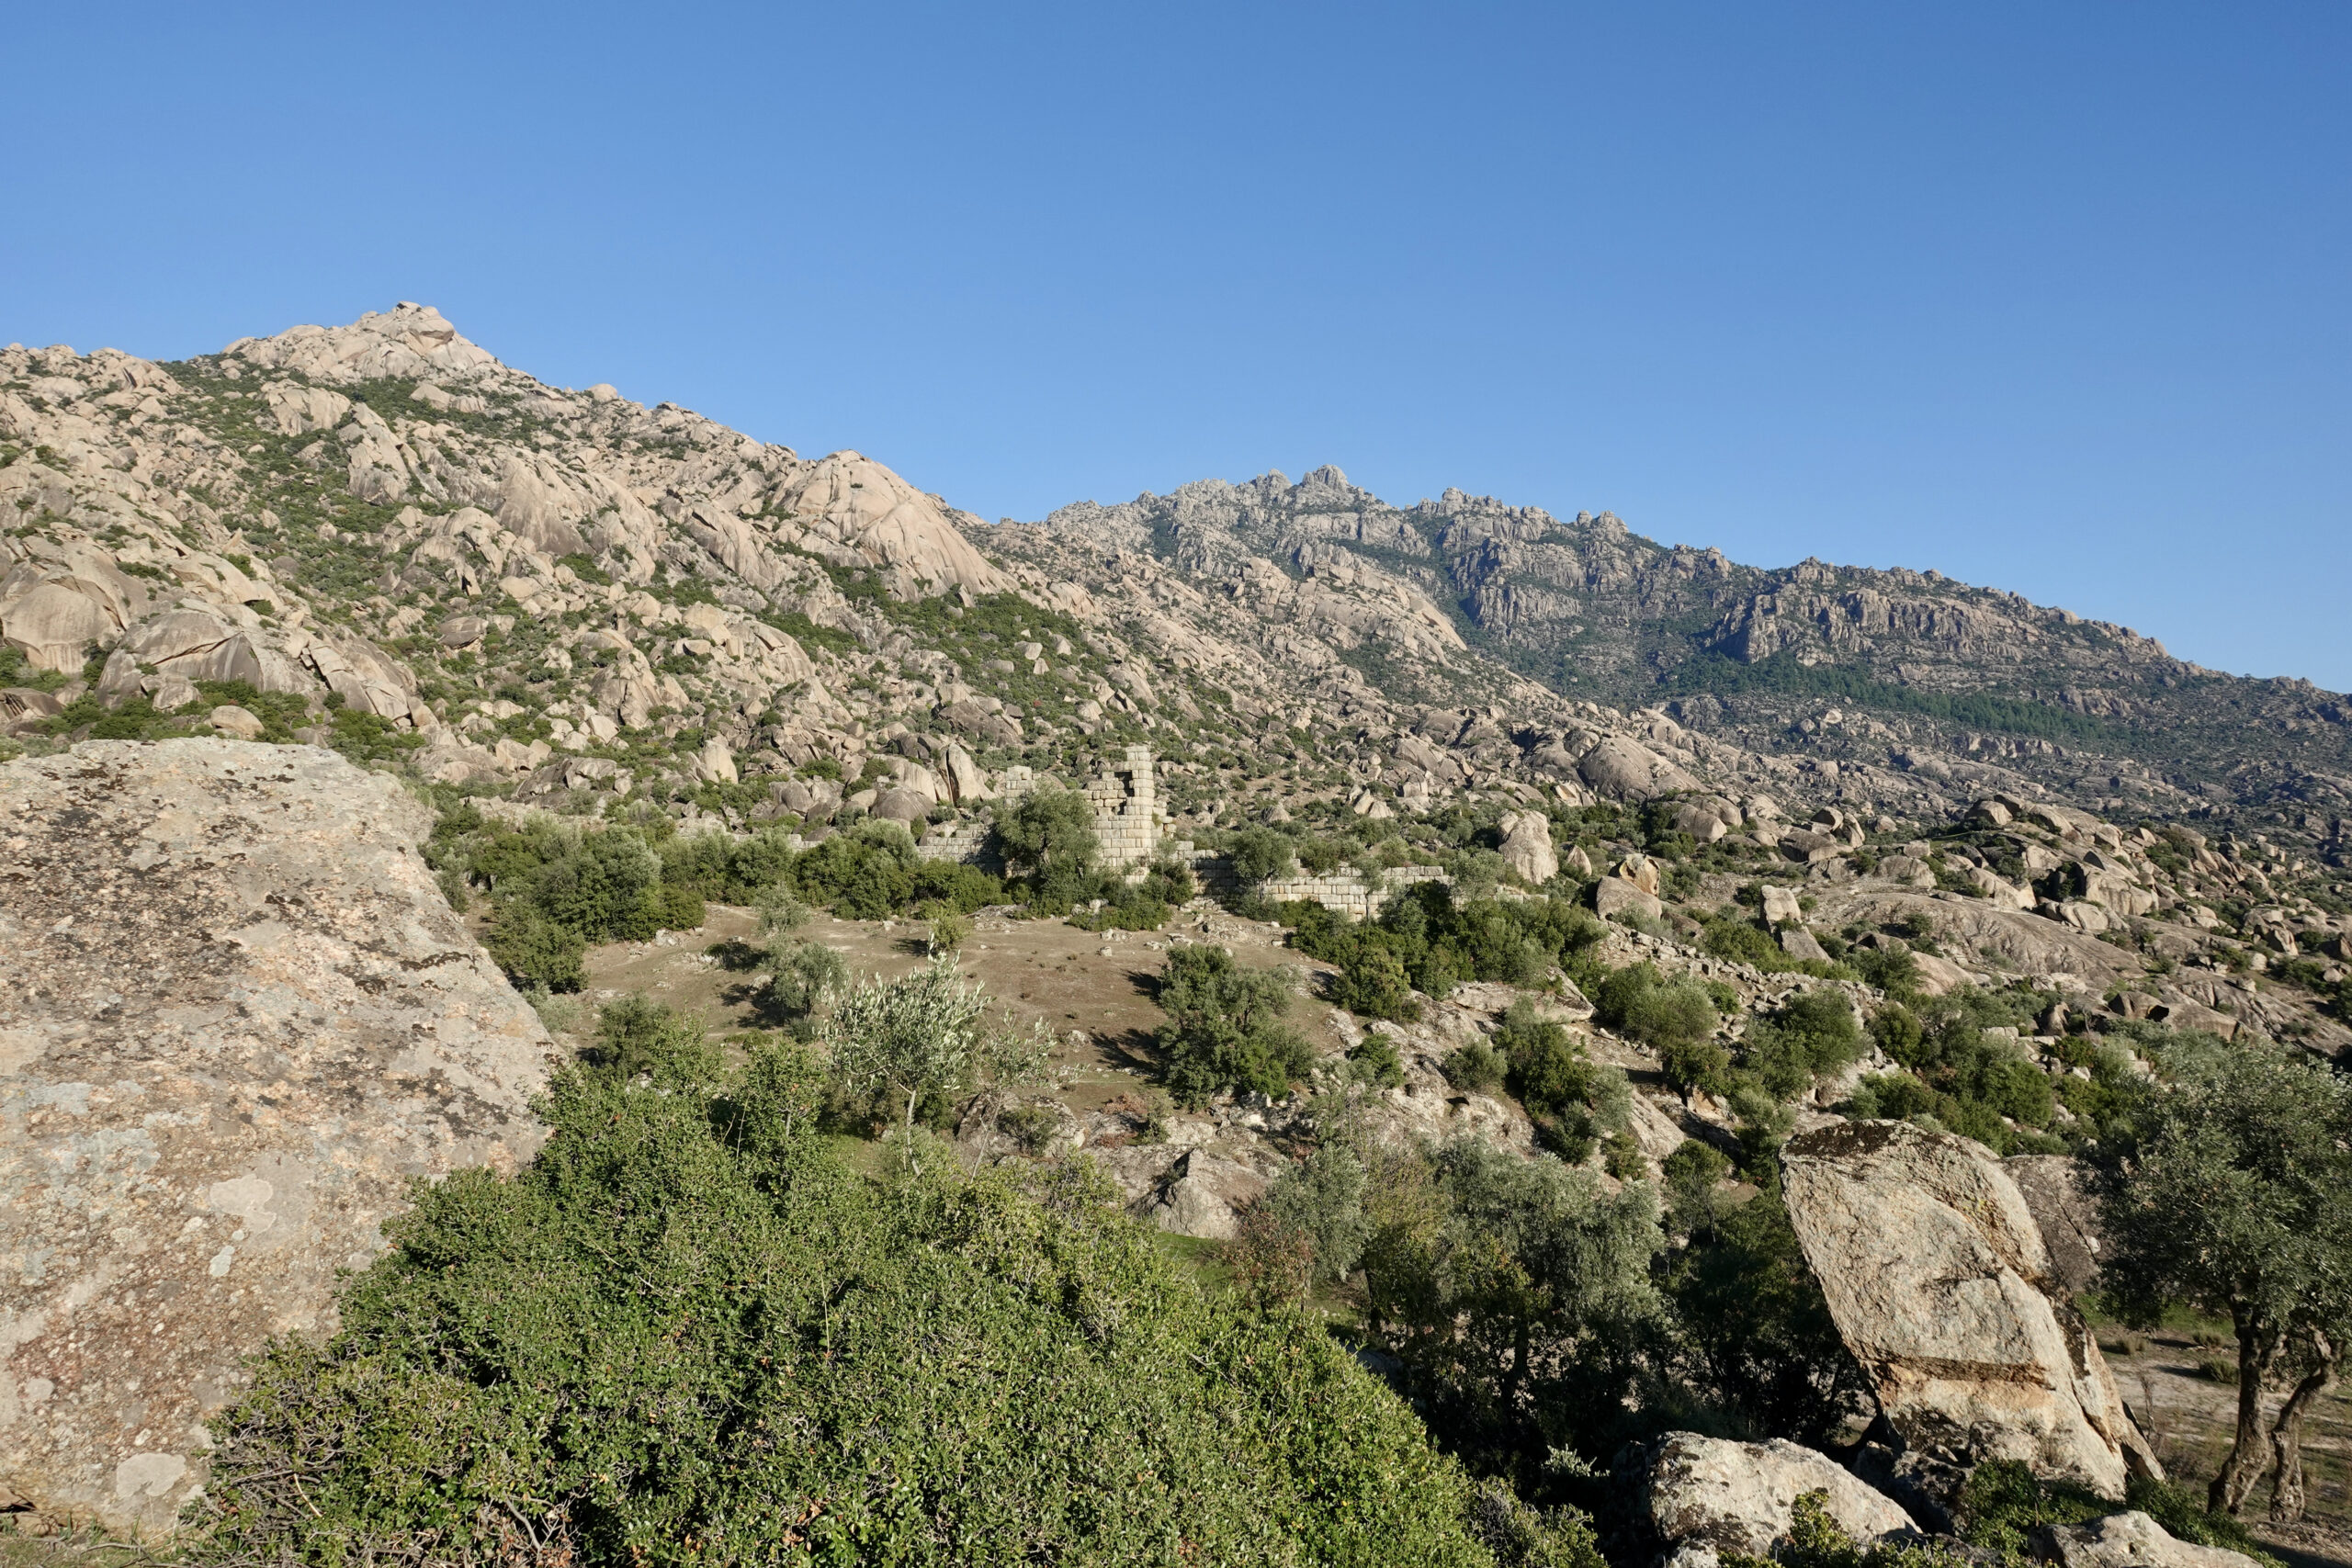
column 2057, row 297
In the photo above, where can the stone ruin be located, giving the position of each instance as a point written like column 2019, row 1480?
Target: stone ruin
column 1127, row 810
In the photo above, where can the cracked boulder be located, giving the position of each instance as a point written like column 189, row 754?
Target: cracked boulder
column 237, row 1020
column 1943, row 1288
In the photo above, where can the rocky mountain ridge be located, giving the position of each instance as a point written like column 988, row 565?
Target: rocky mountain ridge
column 1841, row 662
column 379, row 537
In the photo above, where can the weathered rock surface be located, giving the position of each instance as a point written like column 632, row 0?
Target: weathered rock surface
column 1708, row 1495
column 2056, row 1188
column 1527, row 847
column 1943, row 1288
column 236, row 1019
column 2131, row 1539
column 1202, row 1194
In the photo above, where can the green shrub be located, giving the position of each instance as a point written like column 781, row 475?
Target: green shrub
column 1553, row 1078
column 637, row 1036
column 1225, row 1027
column 1515, row 1293
column 1439, row 941
column 1812, row 1035
column 801, row 976
column 1959, row 1077
column 1477, row 1068
column 1373, row 982
column 1049, row 831
column 535, row 951
column 688, row 1333
column 1642, row 1005
column 607, row 889
column 2004, row 1503
column 1754, row 1328
column 1375, row 1061
column 1320, row 1199
column 1259, row 855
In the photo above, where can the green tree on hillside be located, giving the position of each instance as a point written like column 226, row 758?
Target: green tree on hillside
column 2233, row 1200
column 1225, row 1027
column 919, row 1033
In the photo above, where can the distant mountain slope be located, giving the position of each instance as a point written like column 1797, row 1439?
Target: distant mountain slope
column 1921, row 670
column 377, row 534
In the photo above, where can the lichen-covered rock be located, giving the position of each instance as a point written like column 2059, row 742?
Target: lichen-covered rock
column 236, row 1020
column 1709, row 1496
column 1943, row 1289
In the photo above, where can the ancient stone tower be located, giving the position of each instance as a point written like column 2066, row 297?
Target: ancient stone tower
column 1126, row 806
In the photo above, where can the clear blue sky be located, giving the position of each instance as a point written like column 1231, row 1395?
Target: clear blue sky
column 2057, row 298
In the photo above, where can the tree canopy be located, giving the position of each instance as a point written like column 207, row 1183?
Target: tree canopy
column 2233, row 1199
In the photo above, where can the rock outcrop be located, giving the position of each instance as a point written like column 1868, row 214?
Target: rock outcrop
column 236, row 1020
column 1527, row 847
column 2131, row 1540
column 1943, row 1289
column 1709, row 1496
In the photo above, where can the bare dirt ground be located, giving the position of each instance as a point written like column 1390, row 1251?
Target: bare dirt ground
column 1094, row 989
column 2189, row 1417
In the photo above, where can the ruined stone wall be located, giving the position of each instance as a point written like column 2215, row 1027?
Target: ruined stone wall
column 1126, row 807
column 1347, row 891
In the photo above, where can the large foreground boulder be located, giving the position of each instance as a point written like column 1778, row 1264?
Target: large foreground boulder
column 1944, row 1291
column 1709, row 1496
column 236, row 1020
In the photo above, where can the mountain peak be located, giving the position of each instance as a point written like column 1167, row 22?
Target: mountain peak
column 410, row 342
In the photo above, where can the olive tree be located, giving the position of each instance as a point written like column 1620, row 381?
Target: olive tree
column 2232, row 1200
column 904, row 1037
column 1515, row 1292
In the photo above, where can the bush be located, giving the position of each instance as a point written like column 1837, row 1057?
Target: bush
column 1477, row 1068
column 1373, row 982
column 638, row 1037
column 608, row 889
column 687, row 1334
column 1438, row 941
column 1049, row 832
column 1376, row 1062
column 1225, row 1027
column 864, row 873
column 1960, row 1079
column 1321, row 1198
column 1259, row 855
column 1641, row 1004
column 1754, row 1330
column 1516, row 1295
column 1812, row 1035
column 535, row 951
column 1551, row 1077
column 801, row 976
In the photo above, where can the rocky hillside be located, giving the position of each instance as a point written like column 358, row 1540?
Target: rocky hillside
column 376, row 536
column 1907, row 669
column 1673, row 869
